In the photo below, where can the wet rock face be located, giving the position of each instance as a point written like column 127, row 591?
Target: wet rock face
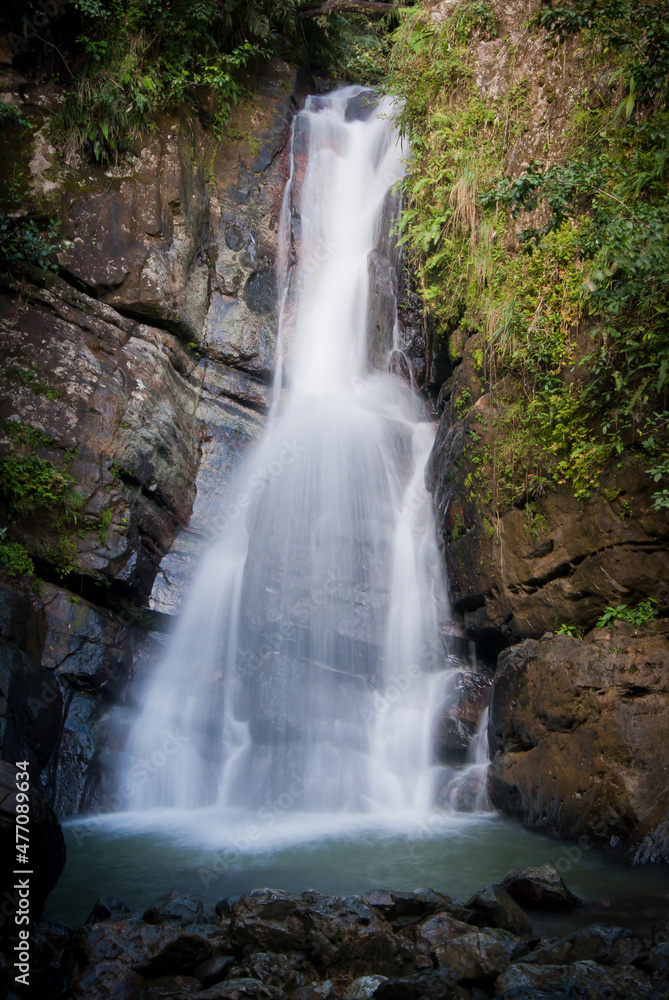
column 145, row 367
column 382, row 308
column 578, row 738
column 113, row 398
column 559, row 561
column 137, row 239
column 47, row 846
column 149, row 375
column 459, row 720
column 58, row 706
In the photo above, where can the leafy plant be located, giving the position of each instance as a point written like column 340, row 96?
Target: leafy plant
column 642, row 614
column 26, row 238
column 14, row 557
column 660, row 472
column 135, row 58
column 32, row 486
column 570, row 629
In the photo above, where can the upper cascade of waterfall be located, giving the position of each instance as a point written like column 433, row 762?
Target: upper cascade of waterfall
column 346, row 157
column 308, row 661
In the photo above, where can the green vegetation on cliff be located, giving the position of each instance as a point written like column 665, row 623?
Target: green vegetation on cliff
column 125, row 60
column 559, row 267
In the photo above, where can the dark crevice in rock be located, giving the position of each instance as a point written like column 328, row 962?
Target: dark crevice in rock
column 152, row 495
column 78, row 283
column 173, row 327
column 115, row 596
column 565, row 569
column 533, row 584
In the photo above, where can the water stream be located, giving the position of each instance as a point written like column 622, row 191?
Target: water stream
column 309, row 655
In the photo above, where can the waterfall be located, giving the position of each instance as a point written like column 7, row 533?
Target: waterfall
column 309, row 655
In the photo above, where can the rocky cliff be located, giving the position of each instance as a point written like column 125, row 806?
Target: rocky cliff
column 540, row 468
column 132, row 382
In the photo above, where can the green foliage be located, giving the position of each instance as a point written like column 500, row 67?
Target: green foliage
column 26, row 238
column 32, row 487
column 624, row 243
column 640, row 31
column 660, row 473
column 642, row 614
column 104, row 524
column 14, row 557
column 10, row 115
column 570, row 629
column 364, row 50
column 28, row 483
column 463, row 402
column 135, row 57
column 595, row 266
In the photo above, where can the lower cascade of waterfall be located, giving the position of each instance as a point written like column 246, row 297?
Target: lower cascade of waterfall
column 309, row 663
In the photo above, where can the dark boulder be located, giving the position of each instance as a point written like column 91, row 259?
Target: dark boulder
column 175, row 908
column 476, row 956
column 403, row 908
column 148, row 950
column 237, row 989
column 423, row 939
column 214, row 969
column 106, row 981
column 583, row 979
column 494, row 907
column 288, row 971
column 364, row 987
column 108, row 908
column 541, row 887
column 168, row 986
column 333, row 932
column 597, row 943
column 578, row 738
column 433, row 984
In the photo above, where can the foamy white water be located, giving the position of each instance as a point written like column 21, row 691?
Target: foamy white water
column 308, row 661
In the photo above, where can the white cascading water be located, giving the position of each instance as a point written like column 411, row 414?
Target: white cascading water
column 308, row 660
